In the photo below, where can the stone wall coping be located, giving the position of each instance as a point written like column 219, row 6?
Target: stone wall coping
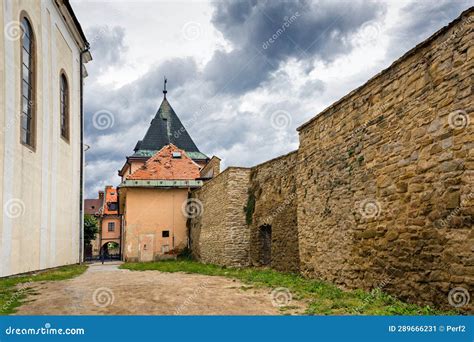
column 385, row 71
column 226, row 171
column 274, row 159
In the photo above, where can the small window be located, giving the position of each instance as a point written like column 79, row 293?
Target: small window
column 111, row 226
column 64, row 103
column 165, row 233
column 93, row 207
column 176, row 154
column 112, row 206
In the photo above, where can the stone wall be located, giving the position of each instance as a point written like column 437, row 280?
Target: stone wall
column 219, row 235
column 236, row 205
column 385, row 177
column 273, row 190
column 383, row 180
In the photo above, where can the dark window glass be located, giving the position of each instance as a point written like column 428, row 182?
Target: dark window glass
column 111, row 226
column 27, row 91
column 165, row 233
column 64, row 102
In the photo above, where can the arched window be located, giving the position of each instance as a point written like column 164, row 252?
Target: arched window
column 28, row 84
column 64, row 103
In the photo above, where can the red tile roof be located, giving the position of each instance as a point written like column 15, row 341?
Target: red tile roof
column 164, row 166
column 110, row 197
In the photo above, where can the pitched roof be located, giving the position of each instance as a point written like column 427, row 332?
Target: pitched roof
column 163, row 166
column 92, row 206
column 165, row 128
column 110, row 197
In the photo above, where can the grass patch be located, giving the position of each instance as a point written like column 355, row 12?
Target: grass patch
column 322, row 298
column 15, row 289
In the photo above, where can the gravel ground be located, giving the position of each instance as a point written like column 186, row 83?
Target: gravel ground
column 108, row 290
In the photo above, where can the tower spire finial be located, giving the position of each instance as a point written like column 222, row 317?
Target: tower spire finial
column 164, row 87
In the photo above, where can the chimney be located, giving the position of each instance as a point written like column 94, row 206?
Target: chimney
column 101, row 196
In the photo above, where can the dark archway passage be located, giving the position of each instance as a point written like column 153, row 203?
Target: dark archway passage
column 265, row 237
column 111, row 250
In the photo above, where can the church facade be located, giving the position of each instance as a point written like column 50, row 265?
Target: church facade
column 156, row 183
column 42, row 54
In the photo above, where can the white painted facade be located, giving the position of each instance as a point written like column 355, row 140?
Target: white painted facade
column 40, row 213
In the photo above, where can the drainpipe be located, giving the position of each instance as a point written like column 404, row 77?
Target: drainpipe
column 81, row 172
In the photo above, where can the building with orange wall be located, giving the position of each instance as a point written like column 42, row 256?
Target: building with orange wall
column 156, row 181
column 93, row 207
column 111, row 227
column 154, row 201
column 105, row 209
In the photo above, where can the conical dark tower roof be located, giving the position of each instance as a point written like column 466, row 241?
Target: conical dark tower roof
column 166, row 128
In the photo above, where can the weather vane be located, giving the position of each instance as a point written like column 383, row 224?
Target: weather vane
column 164, row 88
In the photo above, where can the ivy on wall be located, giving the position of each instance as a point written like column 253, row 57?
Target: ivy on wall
column 250, row 207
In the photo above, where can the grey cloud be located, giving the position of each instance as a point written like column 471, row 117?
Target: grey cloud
column 131, row 109
column 178, row 71
column 315, row 29
column 208, row 101
column 421, row 19
column 107, row 45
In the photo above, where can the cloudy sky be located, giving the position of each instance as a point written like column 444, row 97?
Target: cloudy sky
column 242, row 75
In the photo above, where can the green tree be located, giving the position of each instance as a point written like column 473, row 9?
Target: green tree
column 91, row 228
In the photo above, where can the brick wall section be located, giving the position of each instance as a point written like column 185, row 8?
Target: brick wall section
column 387, row 149
column 274, row 186
column 220, row 234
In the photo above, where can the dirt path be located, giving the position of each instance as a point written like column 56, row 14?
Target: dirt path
column 106, row 289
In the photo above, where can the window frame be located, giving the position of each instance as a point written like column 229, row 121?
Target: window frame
column 67, row 103
column 32, row 83
column 111, row 224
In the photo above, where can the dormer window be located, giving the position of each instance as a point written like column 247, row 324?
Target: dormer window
column 176, row 155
